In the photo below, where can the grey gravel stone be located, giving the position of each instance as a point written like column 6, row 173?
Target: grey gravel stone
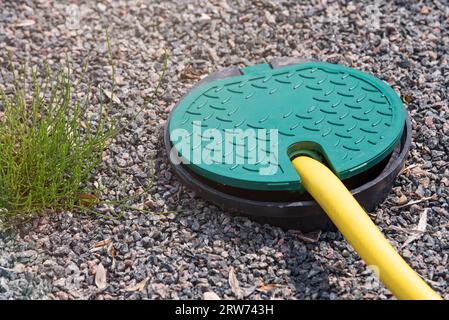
column 18, row 280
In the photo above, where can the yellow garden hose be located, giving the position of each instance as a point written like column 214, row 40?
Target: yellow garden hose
column 356, row 226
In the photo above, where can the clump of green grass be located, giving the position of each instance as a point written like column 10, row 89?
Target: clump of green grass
column 49, row 146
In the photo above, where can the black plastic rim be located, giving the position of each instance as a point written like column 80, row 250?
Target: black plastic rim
column 292, row 210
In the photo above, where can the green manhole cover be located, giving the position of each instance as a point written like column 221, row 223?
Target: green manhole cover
column 242, row 131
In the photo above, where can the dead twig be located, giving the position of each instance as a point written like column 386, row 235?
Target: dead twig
column 410, row 203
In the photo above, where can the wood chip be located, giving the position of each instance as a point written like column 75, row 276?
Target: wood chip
column 100, row 277
column 401, row 200
column 111, row 250
column 25, row 23
column 234, row 284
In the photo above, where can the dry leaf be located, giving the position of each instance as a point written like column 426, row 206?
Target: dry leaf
column 190, row 73
column 410, row 239
column 103, row 243
column 87, row 199
column 422, row 223
column 267, row 287
column 100, row 277
column 25, row 23
column 419, row 230
column 139, row 286
column 234, row 283
column 210, row 296
column 108, row 94
column 407, row 98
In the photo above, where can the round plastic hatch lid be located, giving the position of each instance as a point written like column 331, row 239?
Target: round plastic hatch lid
column 349, row 118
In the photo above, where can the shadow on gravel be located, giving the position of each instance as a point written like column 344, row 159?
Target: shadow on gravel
column 309, row 276
column 269, row 262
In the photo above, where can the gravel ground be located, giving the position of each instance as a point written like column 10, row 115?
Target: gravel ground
column 170, row 244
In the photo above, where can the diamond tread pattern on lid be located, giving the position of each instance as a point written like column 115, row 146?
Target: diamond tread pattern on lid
column 354, row 118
